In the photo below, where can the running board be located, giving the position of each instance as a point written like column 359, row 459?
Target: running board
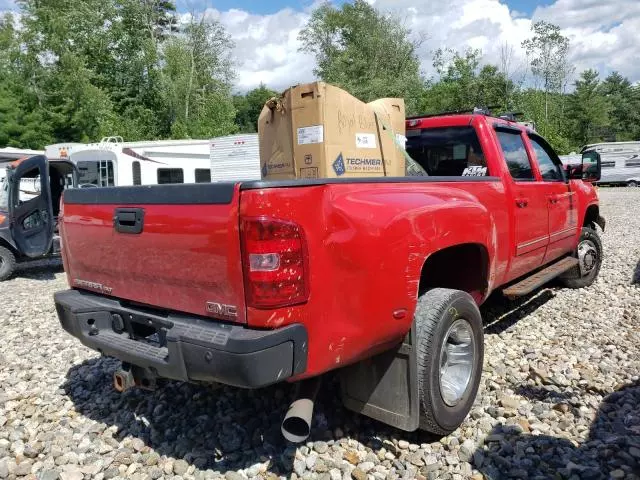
column 536, row 280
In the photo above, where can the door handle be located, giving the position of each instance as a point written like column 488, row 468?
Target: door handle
column 522, row 202
column 128, row 220
column 554, row 199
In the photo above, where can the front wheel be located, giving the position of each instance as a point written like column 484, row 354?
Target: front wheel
column 7, row 263
column 589, row 255
column 450, row 351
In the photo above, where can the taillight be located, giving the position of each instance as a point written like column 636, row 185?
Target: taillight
column 275, row 263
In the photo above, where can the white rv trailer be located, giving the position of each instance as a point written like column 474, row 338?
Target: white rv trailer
column 113, row 162
column 620, row 162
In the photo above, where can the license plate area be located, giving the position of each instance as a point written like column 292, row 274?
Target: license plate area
column 142, row 328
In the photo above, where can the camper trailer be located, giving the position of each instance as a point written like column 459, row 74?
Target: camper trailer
column 620, row 162
column 113, row 162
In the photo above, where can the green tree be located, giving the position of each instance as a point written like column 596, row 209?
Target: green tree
column 249, row 106
column 548, row 52
column 463, row 84
column 366, row 52
column 22, row 122
column 624, row 103
column 198, row 79
column 588, row 108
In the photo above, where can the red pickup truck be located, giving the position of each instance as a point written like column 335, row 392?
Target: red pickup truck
column 253, row 283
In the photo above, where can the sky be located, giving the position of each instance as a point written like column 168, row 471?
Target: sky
column 603, row 33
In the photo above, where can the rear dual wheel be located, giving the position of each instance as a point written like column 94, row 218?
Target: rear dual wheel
column 449, row 338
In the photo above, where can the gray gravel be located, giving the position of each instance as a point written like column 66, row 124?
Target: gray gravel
column 560, row 397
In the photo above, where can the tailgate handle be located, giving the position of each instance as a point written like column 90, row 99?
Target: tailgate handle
column 128, row 220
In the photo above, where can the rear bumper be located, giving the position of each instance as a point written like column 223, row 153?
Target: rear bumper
column 183, row 347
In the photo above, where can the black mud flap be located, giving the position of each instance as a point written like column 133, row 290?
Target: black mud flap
column 385, row 387
column 601, row 221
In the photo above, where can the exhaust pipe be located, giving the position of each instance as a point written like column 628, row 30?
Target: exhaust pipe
column 296, row 425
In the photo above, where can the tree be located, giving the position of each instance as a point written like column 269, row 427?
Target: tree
column 548, row 52
column 369, row 54
column 463, row 84
column 249, row 106
column 588, row 108
column 624, row 102
column 198, row 79
column 22, row 122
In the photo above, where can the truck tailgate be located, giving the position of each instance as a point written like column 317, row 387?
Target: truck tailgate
column 174, row 247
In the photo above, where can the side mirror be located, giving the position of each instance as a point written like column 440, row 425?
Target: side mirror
column 589, row 170
column 591, row 166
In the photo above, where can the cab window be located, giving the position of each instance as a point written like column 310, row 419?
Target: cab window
column 550, row 170
column 515, row 154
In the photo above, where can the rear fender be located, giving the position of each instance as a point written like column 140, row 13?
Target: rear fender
column 368, row 243
column 6, row 240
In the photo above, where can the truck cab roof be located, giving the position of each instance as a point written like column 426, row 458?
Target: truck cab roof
column 453, row 119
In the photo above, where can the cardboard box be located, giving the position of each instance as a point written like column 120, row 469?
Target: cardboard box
column 320, row 131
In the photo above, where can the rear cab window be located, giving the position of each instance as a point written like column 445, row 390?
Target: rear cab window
column 448, row 151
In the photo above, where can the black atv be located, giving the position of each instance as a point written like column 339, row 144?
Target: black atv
column 29, row 205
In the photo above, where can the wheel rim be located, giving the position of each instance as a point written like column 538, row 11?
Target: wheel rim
column 456, row 361
column 587, row 256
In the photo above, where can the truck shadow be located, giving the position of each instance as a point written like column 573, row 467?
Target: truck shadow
column 636, row 275
column 610, row 450
column 225, row 429
column 499, row 313
column 229, row 429
column 222, row 430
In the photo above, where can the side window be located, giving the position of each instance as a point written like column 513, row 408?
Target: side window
column 137, row 174
column 170, row 175
column 203, row 175
column 97, row 173
column 549, row 169
column 632, row 163
column 29, row 186
column 515, row 154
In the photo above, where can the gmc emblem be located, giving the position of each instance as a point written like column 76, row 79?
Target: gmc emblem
column 221, row 310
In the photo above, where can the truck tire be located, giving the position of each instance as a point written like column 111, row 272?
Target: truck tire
column 7, row 263
column 447, row 322
column 589, row 253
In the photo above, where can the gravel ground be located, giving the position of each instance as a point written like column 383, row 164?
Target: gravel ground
column 560, row 397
